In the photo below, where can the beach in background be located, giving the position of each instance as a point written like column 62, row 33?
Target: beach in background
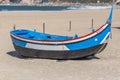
column 15, row 67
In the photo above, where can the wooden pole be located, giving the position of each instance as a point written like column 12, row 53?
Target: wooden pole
column 69, row 25
column 14, row 27
column 92, row 25
column 43, row 27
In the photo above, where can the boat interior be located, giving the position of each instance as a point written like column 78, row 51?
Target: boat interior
column 40, row 36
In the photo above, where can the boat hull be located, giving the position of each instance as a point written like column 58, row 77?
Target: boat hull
column 47, row 54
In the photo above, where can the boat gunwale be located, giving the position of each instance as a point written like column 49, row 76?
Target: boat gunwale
column 72, row 40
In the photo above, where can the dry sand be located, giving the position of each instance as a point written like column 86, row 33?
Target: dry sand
column 14, row 67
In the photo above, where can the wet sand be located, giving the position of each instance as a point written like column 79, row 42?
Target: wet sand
column 15, row 67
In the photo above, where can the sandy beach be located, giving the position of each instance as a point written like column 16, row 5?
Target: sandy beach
column 14, row 67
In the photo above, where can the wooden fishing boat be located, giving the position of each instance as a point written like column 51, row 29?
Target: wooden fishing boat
column 35, row 44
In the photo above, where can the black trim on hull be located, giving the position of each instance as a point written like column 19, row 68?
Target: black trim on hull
column 60, row 54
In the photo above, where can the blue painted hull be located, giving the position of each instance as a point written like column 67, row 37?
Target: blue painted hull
column 35, row 44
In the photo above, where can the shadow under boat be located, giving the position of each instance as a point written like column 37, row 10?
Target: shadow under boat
column 17, row 55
